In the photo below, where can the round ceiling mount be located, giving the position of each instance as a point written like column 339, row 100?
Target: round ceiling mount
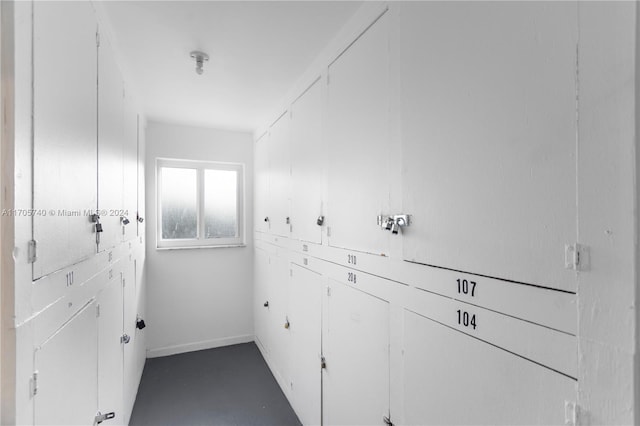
column 200, row 58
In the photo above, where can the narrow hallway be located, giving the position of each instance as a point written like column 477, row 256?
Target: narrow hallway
column 231, row 385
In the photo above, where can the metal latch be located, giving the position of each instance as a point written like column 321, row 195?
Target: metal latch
column 394, row 223
column 95, row 218
column 125, row 339
column 387, row 421
column 286, row 323
column 32, row 254
column 577, row 257
column 323, row 363
column 99, row 418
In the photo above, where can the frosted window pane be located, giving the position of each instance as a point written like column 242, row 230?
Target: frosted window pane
column 220, row 204
column 179, row 203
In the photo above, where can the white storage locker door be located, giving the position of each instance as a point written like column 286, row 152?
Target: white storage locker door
column 356, row 348
column 278, row 315
column 130, row 169
column 262, row 300
column 110, row 355
column 358, row 142
column 305, row 315
column 454, row 379
column 64, row 130
column 489, row 137
column 279, row 176
column 261, row 194
column 307, row 165
column 110, row 146
column 140, row 213
column 130, row 366
column 67, row 375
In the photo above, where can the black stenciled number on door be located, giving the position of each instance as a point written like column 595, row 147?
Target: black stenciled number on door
column 466, row 319
column 466, row 287
column 351, row 259
column 351, row 277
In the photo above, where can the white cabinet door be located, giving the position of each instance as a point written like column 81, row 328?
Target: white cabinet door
column 64, row 131
column 141, row 182
column 131, row 349
column 489, row 137
column 307, row 154
column 453, row 379
column 110, row 146
column 305, row 316
column 261, row 300
column 261, row 185
column 110, row 371
column 67, row 375
column 356, row 348
column 358, row 143
column 279, row 176
column 130, row 169
column 278, row 315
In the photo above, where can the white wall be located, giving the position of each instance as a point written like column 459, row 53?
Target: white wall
column 198, row 298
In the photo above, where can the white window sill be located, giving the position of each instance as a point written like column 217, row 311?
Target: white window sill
column 201, row 247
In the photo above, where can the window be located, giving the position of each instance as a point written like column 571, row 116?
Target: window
column 200, row 204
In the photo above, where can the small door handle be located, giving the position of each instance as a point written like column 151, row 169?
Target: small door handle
column 266, row 304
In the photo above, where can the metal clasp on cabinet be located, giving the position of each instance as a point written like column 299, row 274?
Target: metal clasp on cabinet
column 99, row 418
column 394, row 223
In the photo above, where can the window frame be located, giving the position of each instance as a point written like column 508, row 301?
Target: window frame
column 200, row 241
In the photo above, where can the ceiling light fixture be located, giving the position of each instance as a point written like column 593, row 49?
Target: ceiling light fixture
column 199, row 57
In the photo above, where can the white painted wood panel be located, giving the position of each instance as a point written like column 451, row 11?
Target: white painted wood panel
column 67, row 373
column 356, row 347
column 489, row 137
column 130, row 168
column 307, row 167
column 358, row 142
column 110, row 351
column 110, row 146
column 141, row 212
column 278, row 313
column 305, row 316
column 64, row 133
column 452, row 379
column 130, row 368
column 553, row 349
column 260, row 298
column 279, row 198
column 261, row 184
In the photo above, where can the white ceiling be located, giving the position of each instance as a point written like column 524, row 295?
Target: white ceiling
column 258, row 49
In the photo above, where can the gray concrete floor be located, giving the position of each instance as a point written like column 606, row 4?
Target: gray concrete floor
column 223, row 386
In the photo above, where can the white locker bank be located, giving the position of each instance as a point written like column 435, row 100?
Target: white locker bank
column 421, row 213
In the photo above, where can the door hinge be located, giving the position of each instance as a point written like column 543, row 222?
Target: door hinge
column 32, row 254
column 577, row 257
column 570, row 413
column 99, row 418
column 328, row 231
column 97, row 39
column 323, row 363
column 328, row 291
column 387, row 420
column 34, row 383
column 97, row 311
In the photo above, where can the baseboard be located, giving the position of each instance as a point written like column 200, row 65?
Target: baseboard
column 198, row 346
